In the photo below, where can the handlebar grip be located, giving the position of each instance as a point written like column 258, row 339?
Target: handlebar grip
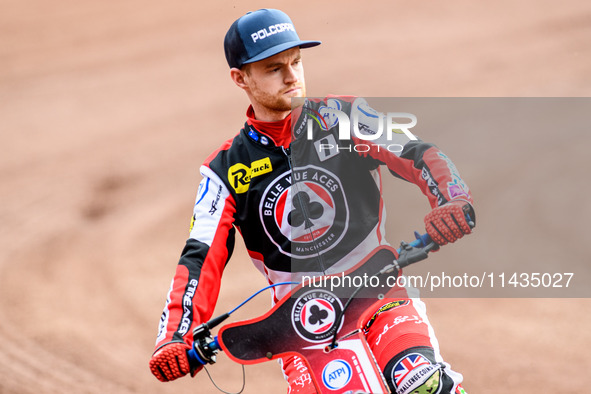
column 203, row 352
column 194, row 360
column 418, row 249
column 421, row 240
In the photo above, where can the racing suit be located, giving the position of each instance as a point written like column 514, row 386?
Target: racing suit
column 308, row 202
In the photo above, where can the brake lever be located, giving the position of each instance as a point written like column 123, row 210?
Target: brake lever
column 411, row 254
column 204, row 349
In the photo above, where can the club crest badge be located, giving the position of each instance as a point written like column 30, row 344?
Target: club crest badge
column 304, row 212
column 314, row 315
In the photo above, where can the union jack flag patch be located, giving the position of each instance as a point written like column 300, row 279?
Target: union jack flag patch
column 414, row 371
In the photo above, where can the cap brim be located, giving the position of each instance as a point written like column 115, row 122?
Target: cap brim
column 280, row 48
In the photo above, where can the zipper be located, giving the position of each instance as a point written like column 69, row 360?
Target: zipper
column 287, row 152
column 319, row 258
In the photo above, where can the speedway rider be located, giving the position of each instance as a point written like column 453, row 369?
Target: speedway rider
column 246, row 186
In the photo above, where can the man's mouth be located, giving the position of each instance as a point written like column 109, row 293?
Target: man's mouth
column 295, row 89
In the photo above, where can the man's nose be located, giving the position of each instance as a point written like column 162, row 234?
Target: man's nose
column 291, row 75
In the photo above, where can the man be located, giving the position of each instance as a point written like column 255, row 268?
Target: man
column 246, row 179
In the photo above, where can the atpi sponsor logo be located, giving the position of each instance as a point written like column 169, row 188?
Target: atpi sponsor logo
column 336, row 374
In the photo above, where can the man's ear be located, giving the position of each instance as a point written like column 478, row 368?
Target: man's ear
column 238, row 76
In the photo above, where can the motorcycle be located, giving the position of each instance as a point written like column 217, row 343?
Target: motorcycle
column 318, row 322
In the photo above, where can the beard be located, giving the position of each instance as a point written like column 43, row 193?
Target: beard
column 278, row 102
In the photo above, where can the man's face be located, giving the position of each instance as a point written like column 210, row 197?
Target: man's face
column 272, row 82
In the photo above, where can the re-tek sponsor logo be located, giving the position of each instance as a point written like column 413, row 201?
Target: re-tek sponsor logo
column 240, row 175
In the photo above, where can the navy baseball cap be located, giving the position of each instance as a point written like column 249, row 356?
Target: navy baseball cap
column 259, row 35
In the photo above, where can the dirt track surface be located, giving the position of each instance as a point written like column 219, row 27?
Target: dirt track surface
column 108, row 108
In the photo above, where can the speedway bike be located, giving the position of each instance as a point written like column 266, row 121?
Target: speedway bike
column 318, row 323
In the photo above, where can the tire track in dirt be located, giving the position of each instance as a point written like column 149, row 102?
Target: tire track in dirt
column 28, row 367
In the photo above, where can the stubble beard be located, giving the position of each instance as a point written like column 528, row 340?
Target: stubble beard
column 279, row 102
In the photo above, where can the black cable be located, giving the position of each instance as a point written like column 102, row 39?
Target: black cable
column 227, row 392
column 333, row 344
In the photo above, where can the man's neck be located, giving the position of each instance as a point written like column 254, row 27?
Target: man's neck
column 268, row 115
column 279, row 131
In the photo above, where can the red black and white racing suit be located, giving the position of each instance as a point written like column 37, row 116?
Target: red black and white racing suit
column 307, row 202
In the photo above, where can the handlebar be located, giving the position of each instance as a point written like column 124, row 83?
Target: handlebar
column 205, row 347
column 203, row 351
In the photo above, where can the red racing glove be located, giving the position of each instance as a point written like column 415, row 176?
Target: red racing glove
column 448, row 223
column 170, row 362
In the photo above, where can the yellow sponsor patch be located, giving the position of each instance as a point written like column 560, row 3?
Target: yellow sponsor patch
column 260, row 167
column 239, row 175
column 192, row 223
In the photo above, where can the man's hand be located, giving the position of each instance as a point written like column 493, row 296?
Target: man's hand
column 170, row 361
column 448, row 223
